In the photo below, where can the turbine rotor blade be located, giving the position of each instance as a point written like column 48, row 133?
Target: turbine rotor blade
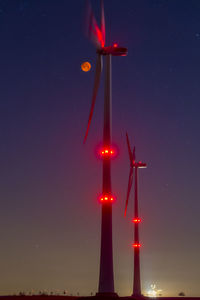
column 134, row 154
column 130, row 182
column 95, row 90
column 103, row 29
column 129, row 148
column 92, row 30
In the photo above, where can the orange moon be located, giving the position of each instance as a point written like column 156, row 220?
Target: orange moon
column 86, row 66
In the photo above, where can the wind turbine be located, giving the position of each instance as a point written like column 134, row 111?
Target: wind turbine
column 136, row 219
column 97, row 35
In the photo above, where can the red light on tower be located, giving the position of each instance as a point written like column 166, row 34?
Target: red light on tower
column 136, row 245
column 107, row 198
column 115, row 45
column 107, row 153
column 136, row 220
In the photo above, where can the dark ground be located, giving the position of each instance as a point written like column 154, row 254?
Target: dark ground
column 39, row 297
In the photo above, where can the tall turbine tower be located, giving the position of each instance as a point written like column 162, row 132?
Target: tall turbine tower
column 97, row 36
column 136, row 219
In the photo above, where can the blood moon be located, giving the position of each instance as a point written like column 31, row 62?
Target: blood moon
column 85, row 66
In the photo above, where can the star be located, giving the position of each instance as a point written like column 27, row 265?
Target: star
column 197, row 35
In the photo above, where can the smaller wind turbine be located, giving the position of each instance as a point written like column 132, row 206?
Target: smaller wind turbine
column 136, row 219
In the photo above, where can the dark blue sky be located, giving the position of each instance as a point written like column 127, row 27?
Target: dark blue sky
column 49, row 215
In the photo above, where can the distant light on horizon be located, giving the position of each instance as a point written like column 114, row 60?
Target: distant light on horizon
column 153, row 292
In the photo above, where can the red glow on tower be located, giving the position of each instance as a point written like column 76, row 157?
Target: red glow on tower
column 115, row 45
column 107, row 152
column 136, row 245
column 136, row 220
column 106, row 198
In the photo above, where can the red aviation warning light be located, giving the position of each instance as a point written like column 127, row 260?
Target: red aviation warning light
column 107, row 198
column 107, row 152
column 136, row 220
column 136, row 245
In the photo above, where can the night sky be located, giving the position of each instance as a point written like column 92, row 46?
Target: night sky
column 49, row 213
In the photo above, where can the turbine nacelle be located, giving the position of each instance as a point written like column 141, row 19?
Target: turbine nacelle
column 139, row 164
column 113, row 50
